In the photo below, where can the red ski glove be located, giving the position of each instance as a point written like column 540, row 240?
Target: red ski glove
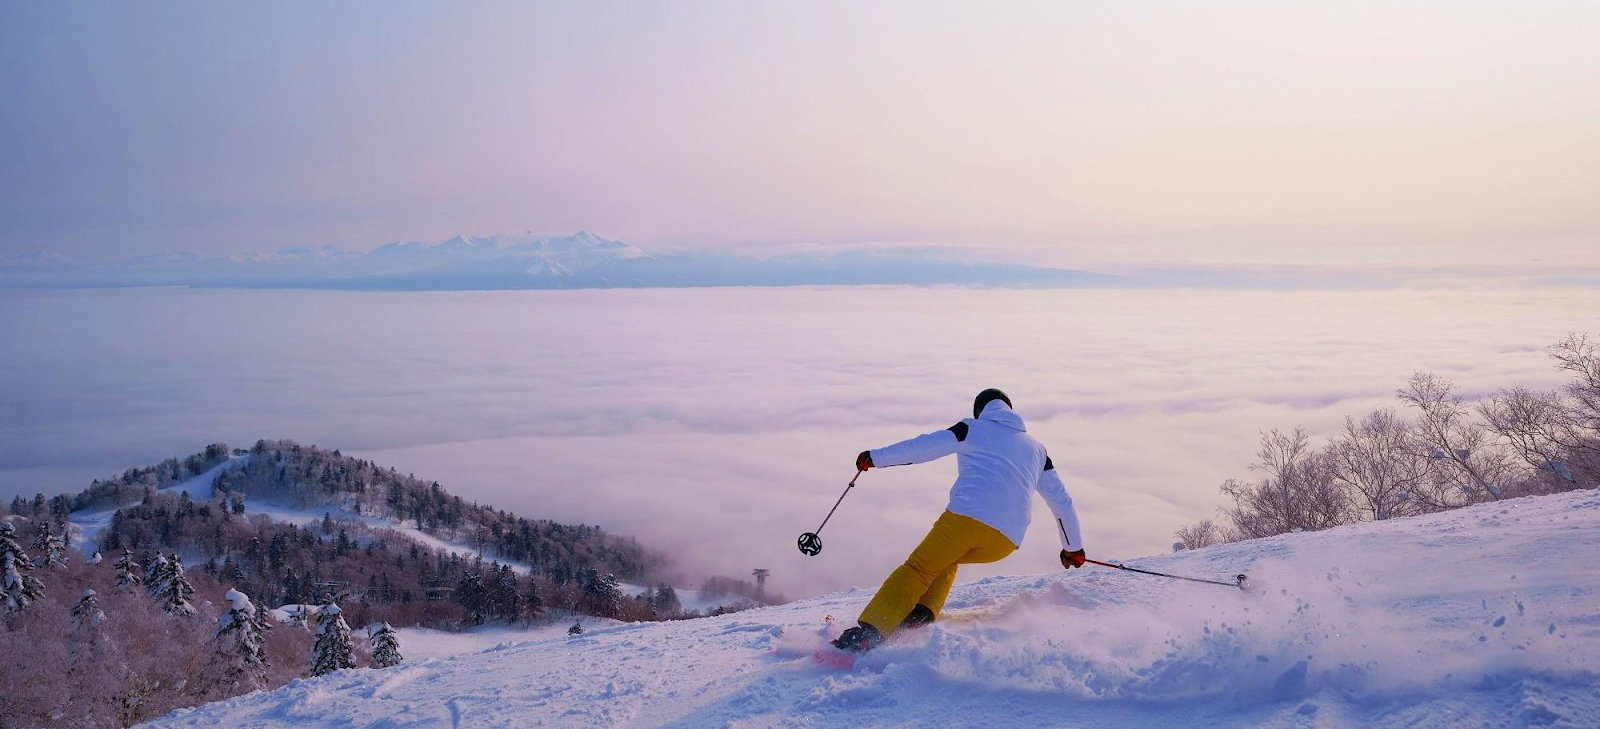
column 864, row 461
column 1072, row 559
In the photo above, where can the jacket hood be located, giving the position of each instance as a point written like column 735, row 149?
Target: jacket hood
column 999, row 412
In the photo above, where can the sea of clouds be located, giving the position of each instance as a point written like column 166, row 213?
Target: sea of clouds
column 718, row 424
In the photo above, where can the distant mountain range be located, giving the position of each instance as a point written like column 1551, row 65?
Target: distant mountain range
column 581, row 260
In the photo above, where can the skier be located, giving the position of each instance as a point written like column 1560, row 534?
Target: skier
column 1000, row 466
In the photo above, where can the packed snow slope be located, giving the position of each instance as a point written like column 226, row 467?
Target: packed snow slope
column 1487, row 616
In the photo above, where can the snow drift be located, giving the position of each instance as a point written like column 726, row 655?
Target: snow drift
column 1485, row 616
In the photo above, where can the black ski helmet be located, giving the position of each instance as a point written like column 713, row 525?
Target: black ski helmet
column 988, row 396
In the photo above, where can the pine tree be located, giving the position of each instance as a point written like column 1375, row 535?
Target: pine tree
column 508, row 603
column 52, row 547
column 172, row 589
column 264, row 621
column 609, row 592
column 86, row 615
column 385, row 647
column 18, row 587
column 127, row 571
column 155, row 573
column 470, row 594
column 666, row 600
column 240, row 656
column 333, row 649
column 532, row 601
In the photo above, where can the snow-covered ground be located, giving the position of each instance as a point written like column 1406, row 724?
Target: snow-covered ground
column 1488, row 616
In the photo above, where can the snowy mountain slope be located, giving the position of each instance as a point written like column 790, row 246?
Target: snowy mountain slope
column 88, row 525
column 1487, row 616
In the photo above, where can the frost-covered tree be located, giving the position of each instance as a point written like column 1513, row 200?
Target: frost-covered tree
column 240, row 659
column 608, row 595
column 333, row 649
column 665, row 600
column 155, row 573
column 1467, row 465
column 385, row 646
column 86, row 615
column 264, row 621
column 1297, row 491
column 172, row 589
column 19, row 587
column 1377, row 459
column 127, row 571
column 50, row 545
column 473, row 597
column 1203, row 534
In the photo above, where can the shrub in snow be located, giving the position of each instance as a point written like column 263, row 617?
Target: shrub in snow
column 385, row 646
column 18, row 587
column 333, row 649
column 240, row 659
column 576, row 629
column 127, row 571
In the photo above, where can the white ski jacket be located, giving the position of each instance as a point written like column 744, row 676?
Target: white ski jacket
column 1000, row 467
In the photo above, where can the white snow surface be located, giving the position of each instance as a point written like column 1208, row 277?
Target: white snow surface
column 1487, row 616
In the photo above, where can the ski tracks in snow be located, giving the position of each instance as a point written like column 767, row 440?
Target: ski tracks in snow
column 1488, row 616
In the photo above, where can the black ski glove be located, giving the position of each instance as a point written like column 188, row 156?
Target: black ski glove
column 864, row 461
column 1072, row 559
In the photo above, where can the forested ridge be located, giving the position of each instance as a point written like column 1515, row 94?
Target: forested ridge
column 140, row 593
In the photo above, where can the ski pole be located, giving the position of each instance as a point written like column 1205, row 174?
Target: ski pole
column 1238, row 580
column 810, row 543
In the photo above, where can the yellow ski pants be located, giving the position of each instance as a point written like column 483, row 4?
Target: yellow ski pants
column 929, row 572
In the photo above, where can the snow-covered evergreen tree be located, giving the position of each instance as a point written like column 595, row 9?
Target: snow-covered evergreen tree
column 155, row 573
column 265, row 621
column 18, row 587
column 333, row 649
column 51, row 546
column 172, row 589
column 240, row 656
column 610, row 592
column 86, row 615
column 385, row 646
column 127, row 571
column 471, row 594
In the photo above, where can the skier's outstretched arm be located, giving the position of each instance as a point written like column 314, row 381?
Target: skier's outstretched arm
column 921, row 449
column 1060, row 503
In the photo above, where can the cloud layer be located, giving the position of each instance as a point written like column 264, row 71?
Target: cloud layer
column 720, row 424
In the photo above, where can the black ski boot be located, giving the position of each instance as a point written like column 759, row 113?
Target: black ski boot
column 920, row 616
column 859, row 639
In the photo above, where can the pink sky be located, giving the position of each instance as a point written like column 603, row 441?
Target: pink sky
column 1075, row 134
